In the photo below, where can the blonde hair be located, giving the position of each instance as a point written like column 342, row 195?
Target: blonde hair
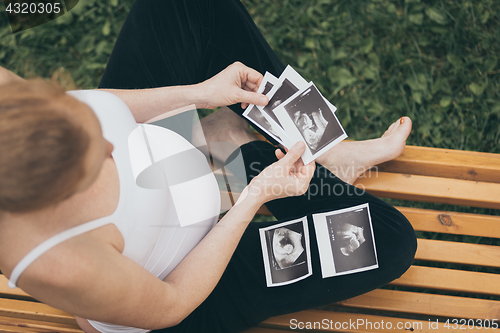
column 42, row 148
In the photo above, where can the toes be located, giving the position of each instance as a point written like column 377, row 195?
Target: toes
column 402, row 125
column 402, row 131
column 406, row 125
column 394, row 126
column 406, row 121
column 391, row 128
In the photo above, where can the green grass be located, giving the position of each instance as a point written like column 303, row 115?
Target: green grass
column 435, row 61
column 77, row 44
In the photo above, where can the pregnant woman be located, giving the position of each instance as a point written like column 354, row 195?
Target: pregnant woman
column 78, row 232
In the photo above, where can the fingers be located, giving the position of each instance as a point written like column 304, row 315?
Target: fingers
column 250, row 77
column 252, row 98
column 294, row 153
column 304, row 177
column 250, row 81
column 250, row 86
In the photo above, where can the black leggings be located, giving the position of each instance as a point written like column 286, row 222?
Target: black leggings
column 176, row 42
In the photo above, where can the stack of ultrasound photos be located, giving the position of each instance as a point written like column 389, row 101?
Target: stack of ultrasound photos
column 296, row 112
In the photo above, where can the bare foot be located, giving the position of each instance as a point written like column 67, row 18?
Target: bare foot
column 349, row 160
column 223, row 131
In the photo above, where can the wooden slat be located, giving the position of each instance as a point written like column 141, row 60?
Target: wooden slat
column 453, row 223
column 426, row 304
column 432, row 189
column 458, row 253
column 6, row 292
column 446, row 163
column 20, row 329
column 349, row 320
column 446, row 222
column 38, row 326
column 450, row 280
column 35, row 311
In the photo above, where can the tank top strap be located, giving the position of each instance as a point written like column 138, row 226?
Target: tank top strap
column 51, row 242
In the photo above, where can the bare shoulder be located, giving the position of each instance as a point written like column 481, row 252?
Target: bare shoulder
column 67, row 268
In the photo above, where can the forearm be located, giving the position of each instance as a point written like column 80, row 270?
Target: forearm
column 146, row 104
column 198, row 274
column 235, row 84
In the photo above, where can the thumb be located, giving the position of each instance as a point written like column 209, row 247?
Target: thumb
column 252, row 98
column 294, row 153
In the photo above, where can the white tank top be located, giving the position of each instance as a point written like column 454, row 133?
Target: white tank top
column 157, row 195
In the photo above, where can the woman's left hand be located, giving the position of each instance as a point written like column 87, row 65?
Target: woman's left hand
column 235, row 84
column 284, row 178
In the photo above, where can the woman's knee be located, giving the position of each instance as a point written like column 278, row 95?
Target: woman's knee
column 409, row 249
column 400, row 247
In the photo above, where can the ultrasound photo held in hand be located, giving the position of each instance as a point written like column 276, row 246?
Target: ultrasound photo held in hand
column 313, row 119
column 286, row 90
column 296, row 111
column 258, row 118
column 286, row 252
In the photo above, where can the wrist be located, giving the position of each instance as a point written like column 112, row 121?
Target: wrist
column 251, row 197
column 244, row 209
column 197, row 95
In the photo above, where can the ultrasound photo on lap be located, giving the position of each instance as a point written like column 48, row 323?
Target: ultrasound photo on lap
column 286, row 252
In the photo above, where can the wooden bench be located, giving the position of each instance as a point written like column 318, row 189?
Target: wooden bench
column 449, row 280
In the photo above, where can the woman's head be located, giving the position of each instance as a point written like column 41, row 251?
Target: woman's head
column 51, row 146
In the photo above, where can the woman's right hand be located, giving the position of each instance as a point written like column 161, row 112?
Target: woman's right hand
column 284, row 178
